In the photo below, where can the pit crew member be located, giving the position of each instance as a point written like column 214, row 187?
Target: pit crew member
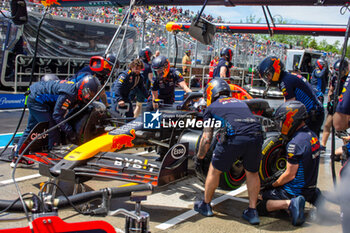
column 240, row 138
column 223, row 68
column 145, row 55
column 330, row 105
column 319, row 78
column 164, row 81
column 294, row 87
column 50, row 101
column 127, row 81
column 101, row 68
column 341, row 121
column 298, row 182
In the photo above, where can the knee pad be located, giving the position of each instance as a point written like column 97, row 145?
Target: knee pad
column 261, row 208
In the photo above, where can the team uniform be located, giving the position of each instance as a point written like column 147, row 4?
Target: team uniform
column 123, row 85
column 140, row 97
column 166, row 86
column 319, row 82
column 344, row 107
column 222, row 62
column 50, row 101
column 243, row 134
column 296, row 86
column 303, row 149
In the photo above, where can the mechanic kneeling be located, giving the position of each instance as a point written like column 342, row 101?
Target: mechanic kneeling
column 164, row 81
column 298, row 182
column 240, row 137
column 50, row 101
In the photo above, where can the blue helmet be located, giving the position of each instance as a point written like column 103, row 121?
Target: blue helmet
column 320, row 63
column 146, row 54
column 216, row 88
column 290, row 115
column 110, row 57
column 345, row 71
column 161, row 66
column 227, row 52
column 270, row 65
column 88, row 88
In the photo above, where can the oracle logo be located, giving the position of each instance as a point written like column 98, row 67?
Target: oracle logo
column 34, row 135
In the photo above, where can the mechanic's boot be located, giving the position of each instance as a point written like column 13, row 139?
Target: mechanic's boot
column 251, row 215
column 22, row 163
column 296, row 208
column 203, row 208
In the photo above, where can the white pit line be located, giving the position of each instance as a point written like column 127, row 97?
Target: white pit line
column 10, row 181
column 182, row 217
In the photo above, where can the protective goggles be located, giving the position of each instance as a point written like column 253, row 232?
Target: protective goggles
column 99, row 64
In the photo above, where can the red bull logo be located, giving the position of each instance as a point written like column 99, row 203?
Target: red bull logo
column 222, row 27
column 315, row 144
column 171, row 26
column 123, row 140
column 277, row 67
column 50, row 2
column 287, row 124
column 209, row 93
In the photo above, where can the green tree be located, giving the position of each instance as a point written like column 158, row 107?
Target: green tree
column 313, row 44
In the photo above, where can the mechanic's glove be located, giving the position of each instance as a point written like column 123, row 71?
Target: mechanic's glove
column 330, row 107
column 198, row 163
column 268, row 185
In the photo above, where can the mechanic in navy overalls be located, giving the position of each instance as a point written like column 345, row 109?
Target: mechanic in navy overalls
column 319, row 79
column 50, row 101
column 164, row 82
column 330, row 105
column 298, row 183
column 293, row 87
column 101, row 68
column 341, row 121
column 147, row 76
column 223, row 68
column 127, row 81
column 240, row 137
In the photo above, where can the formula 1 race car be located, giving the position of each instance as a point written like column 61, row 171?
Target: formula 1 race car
column 104, row 156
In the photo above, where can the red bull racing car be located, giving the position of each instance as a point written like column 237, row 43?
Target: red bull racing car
column 100, row 154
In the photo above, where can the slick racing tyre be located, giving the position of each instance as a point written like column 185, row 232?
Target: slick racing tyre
column 229, row 180
column 273, row 157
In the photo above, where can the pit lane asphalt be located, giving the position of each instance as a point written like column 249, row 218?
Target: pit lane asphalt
column 174, row 202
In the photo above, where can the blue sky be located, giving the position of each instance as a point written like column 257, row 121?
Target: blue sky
column 299, row 15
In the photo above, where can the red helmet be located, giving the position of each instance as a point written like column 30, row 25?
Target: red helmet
column 101, row 65
column 88, row 88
